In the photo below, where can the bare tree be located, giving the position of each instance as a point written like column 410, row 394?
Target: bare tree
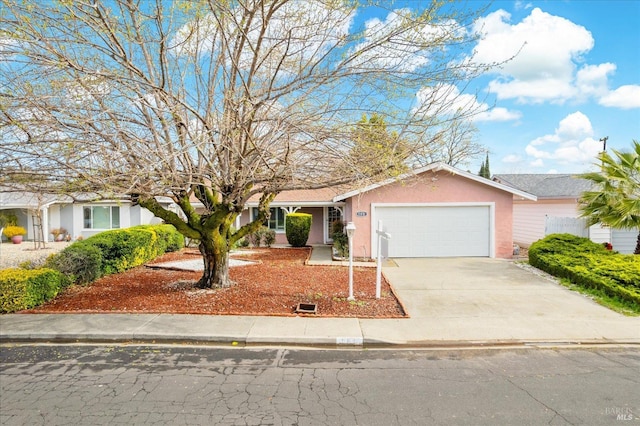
column 452, row 144
column 214, row 101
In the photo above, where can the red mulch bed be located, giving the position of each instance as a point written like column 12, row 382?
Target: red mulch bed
column 273, row 286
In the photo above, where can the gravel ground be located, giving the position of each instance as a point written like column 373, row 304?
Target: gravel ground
column 12, row 255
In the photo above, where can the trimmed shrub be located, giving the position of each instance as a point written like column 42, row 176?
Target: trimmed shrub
column 81, row 262
column 24, row 289
column 298, row 226
column 169, row 239
column 123, row 249
column 588, row 265
column 116, row 251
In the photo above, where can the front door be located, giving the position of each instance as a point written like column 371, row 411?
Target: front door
column 332, row 215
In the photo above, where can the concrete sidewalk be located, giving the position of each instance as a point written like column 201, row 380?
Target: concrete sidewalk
column 462, row 302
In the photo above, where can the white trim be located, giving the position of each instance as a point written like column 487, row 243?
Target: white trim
column 492, row 219
column 298, row 204
column 437, row 167
column 289, row 209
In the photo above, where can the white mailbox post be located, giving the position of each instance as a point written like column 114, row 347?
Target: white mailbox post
column 351, row 230
column 386, row 236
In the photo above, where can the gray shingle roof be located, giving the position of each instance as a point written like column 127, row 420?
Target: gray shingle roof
column 546, row 185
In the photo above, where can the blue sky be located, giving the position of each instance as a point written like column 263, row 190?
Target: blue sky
column 576, row 80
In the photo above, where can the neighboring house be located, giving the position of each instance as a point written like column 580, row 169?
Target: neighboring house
column 436, row 211
column 81, row 217
column 558, row 196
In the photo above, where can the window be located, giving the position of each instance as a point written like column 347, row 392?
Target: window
column 101, row 217
column 276, row 219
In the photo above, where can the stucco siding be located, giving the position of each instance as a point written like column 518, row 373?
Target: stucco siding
column 440, row 187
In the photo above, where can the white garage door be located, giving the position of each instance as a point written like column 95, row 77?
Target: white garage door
column 437, row 231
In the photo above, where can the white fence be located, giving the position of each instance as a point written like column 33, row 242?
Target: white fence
column 566, row 225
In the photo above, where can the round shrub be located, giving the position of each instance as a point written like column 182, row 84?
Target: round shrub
column 81, row 262
column 298, row 226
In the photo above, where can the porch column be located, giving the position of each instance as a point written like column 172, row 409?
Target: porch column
column 45, row 224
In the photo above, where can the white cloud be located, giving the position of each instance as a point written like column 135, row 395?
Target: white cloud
column 446, row 99
column 625, row 97
column 591, row 80
column 512, row 158
column 522, row 5
column 396, row 44
column 546, row 50
column 571, row 143
column 497, row 114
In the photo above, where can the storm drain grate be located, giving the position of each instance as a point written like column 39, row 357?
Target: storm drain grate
column 307, row 308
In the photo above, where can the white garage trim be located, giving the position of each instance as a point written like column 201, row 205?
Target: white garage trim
column 375, row 218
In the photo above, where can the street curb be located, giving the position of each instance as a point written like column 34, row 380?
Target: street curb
column 325, row 342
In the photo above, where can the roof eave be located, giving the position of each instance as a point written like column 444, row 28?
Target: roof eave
column 437, row 167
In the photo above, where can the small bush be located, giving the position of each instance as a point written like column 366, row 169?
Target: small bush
column 8, row 219
column 340, row 239
column 298, row 226
column 268, row 237
column 589, row 265
column 81, row 262
column 255, row 239
column 24, row 289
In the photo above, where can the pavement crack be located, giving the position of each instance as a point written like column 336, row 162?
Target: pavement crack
column 553, row 410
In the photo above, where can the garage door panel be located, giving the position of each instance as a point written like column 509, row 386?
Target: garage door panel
column 437, row 231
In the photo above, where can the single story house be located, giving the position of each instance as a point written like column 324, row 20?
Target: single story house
column 79, row 216
column 436, row 211
column 557, row 196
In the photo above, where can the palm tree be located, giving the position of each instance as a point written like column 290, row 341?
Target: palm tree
column 615, row 198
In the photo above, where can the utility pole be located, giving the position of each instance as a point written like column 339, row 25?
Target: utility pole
column 604, row 141
column 604, row 146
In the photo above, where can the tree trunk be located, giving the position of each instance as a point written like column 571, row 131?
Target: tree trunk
column 637, row 251
column 216, row 265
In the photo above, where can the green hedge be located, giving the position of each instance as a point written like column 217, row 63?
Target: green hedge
column 116, row 251
column 26, row 288
column 298, row 226
column 589, row 265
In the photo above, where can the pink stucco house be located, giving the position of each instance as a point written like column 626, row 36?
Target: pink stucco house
column 436, row 211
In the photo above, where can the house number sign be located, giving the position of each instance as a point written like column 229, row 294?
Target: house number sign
column 361, row 213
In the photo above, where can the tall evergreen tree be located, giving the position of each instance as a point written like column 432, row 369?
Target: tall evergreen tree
column 485, row 172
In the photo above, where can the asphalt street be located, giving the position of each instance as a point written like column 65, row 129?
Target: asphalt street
column 207, row 385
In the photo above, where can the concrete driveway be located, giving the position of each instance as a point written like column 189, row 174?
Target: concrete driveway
column 480, row 299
